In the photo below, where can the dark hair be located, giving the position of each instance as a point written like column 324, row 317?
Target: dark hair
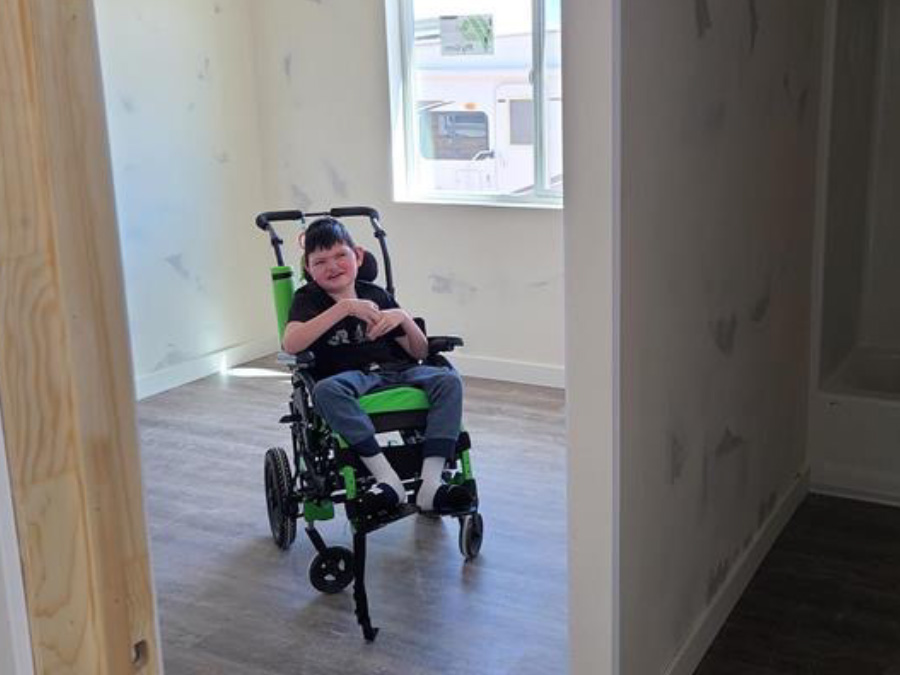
column 324, row 233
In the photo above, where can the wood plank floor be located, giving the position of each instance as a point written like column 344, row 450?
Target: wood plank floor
column 231, row 603
column 826, row 600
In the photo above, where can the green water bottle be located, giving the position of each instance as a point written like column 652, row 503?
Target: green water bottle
column 283, row 293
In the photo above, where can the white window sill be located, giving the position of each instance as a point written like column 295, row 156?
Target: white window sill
column 502, row 201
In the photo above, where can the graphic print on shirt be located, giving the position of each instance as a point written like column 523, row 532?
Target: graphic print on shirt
column 342, row 337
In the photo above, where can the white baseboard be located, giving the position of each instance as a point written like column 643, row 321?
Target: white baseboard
column 709, row 623
column 522, row 372
column 15, row 636
column 208, row 364
column 872, row 497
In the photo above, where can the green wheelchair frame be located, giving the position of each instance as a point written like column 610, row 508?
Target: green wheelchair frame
column 325, row 472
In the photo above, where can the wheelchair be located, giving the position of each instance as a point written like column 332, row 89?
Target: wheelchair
column 323, row 472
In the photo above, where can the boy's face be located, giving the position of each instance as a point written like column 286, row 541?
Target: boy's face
column 334, row 269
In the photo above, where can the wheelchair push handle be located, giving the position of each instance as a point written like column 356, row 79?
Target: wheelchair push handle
column 350, row 211
column 264, row 219
column 264, row 222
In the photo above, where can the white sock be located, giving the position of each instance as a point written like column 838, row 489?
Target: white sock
column 432, row 474
column 379, row 466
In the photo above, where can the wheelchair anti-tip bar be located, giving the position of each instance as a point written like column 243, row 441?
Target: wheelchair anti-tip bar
column 264, row 222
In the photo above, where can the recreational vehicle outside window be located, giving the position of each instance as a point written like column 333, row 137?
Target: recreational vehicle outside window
column 453, row 135
column 521, row 122
column 477, row 100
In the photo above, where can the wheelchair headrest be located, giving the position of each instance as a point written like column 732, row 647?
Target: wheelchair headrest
column 368, row 271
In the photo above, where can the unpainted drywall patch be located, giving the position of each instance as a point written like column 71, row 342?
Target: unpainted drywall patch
column 172, row 357
column 754, row 23
column 766, row 506
column 338, row 184
column 450, row 285
column 802, row 102
column 702, row 16
column 678, row 456
column 760, row 308
column 203, row 73
column 176, row 262
column 717, row 578
column 802, row 99
column 729, row 444
column 301, row 198
column 724, row 333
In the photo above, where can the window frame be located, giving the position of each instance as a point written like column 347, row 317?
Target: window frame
column 401, row 36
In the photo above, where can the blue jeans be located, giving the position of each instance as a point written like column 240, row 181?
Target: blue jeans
column 336, row 399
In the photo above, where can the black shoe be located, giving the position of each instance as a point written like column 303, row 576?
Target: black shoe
column 382, row 498
column 451, row 499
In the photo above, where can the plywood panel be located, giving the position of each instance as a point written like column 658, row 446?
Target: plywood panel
column 65, row 370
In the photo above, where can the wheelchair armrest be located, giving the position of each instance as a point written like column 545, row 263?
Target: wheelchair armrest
column 443, row 343
column 304, row 360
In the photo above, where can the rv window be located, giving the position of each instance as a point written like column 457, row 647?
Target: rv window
column 521, row 122
column 453, row 134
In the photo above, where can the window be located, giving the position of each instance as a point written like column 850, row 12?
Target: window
column 476, row 100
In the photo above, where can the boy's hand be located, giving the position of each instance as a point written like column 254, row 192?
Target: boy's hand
column 388, row 321
column 366, row 310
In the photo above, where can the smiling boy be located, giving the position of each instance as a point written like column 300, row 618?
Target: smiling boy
column 362, row 341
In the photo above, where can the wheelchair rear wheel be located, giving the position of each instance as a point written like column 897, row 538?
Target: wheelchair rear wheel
column 278, row 498
column 331, row 571
column 471, row 534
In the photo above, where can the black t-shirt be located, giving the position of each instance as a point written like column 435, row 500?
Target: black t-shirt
column 345, row 346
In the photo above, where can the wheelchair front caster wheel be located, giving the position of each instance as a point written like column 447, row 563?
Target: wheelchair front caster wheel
column 331, row 571
column 471, row 533
column 278, row 498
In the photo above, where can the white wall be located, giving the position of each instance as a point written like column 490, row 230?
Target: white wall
column 719, row 126
column 847, row 191
column 881, row 301
column 15, row 642
column 591, row 155
column 491, row 274
column 182, row 108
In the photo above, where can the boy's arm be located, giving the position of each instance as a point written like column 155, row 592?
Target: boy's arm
column 300, row 335
column 414, row 341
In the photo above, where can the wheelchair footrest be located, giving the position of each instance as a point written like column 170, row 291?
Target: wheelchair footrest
column 369, row 523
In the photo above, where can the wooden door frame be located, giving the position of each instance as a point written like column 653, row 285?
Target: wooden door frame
column 66, row 382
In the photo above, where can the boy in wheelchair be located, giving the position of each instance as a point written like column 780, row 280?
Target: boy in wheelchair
column 363, row 342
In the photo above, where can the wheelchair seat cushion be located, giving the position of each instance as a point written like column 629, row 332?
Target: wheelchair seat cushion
column 394, row 408
column 394, row 399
